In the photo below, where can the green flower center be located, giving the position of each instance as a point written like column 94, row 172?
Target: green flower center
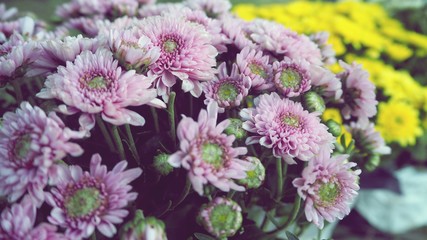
column 97, row 83
column 224, row 218
column 227, row 92
column 212, row 154
column 258, row 70
column 169, row 45
column 329, row 192
column 292, row 121
column 22, row 146
column 83, row 202
column 290, row 78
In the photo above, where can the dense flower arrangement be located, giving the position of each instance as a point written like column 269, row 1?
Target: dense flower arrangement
column 365, row 33
column 180, row 112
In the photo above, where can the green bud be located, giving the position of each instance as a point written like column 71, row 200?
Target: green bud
column 222, row 217
column 143, row 228
column 334, row 127
column 313, row 102
column 254, row 178
column 235, row 128
column 162, row 165
column 373, row 162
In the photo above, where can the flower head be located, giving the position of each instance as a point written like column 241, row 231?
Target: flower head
column 399, row 122
column 359, row 92
column 328, row 53
column 328, row 186
column 213, row 9
column 256, row 176
column 57, row 52
column 133, row 51
column 255, row 64
column 227, row 90
column 17, row 223
column 94, row 84
column 292, row 77
column 325, row 82
column 31, row 143
column 222, row 217
column 186, row 53
column 83, row 201
column 286, row 127
column 208, row 153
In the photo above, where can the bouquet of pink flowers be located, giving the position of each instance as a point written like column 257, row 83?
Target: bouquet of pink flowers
column 174, row 121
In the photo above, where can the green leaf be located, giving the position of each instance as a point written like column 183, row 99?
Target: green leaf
column 291, row 236
column 202, row 236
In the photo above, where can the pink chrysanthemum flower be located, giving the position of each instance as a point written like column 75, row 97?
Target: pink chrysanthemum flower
column 88, row 26
column 31, row 143
column 286, row 127
column 328, row 53
column 160, row 9
column 208, row 153
column 107, row 8
column 133, row 51
column 13, row 64
column 255, row 64
column 94, row 84
column 358, row 92
column 212, row 26
column 213, row 9
column 303, row 47
column 57, row 52
column 227, row 90
column 83, row 201
column 235, row 35
column 328, row 186
column 17, row 223
column 367, row 138
column 186, row 53
column 292, row 76
column 325, row 82
column 270, row 36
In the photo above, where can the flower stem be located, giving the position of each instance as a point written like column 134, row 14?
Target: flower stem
column 118, row 141
column 105, row 133
column 132, row 144
column 183, row 195
column 279, row 179
column 18, row 93
column 291, row 219
column 171, row 111
column 155, row 119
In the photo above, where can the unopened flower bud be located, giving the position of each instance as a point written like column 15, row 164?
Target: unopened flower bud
column 235, row 128
column 254, row 178
column 313, row 102
column 162, row 165
column 141, row 228
column 222, row 217
column 333, row 127
column 373, row 162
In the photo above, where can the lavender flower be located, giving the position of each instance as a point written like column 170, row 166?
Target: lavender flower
column 207, row 153
column 31, row 143
column 83, row 201
column 227, row 90
column 17, row 223
column 328, row 186
column 359, row 92
column 292, row 76
column 286, row 127
column 255, row 64
column 186, row 53
column 94, row 84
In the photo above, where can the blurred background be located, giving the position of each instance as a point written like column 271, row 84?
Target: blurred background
column 389, row 37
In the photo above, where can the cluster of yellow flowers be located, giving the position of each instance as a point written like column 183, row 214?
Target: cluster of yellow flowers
column 365, row 33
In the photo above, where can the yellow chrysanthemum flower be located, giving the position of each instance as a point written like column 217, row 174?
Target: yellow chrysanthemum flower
column 398, row 122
